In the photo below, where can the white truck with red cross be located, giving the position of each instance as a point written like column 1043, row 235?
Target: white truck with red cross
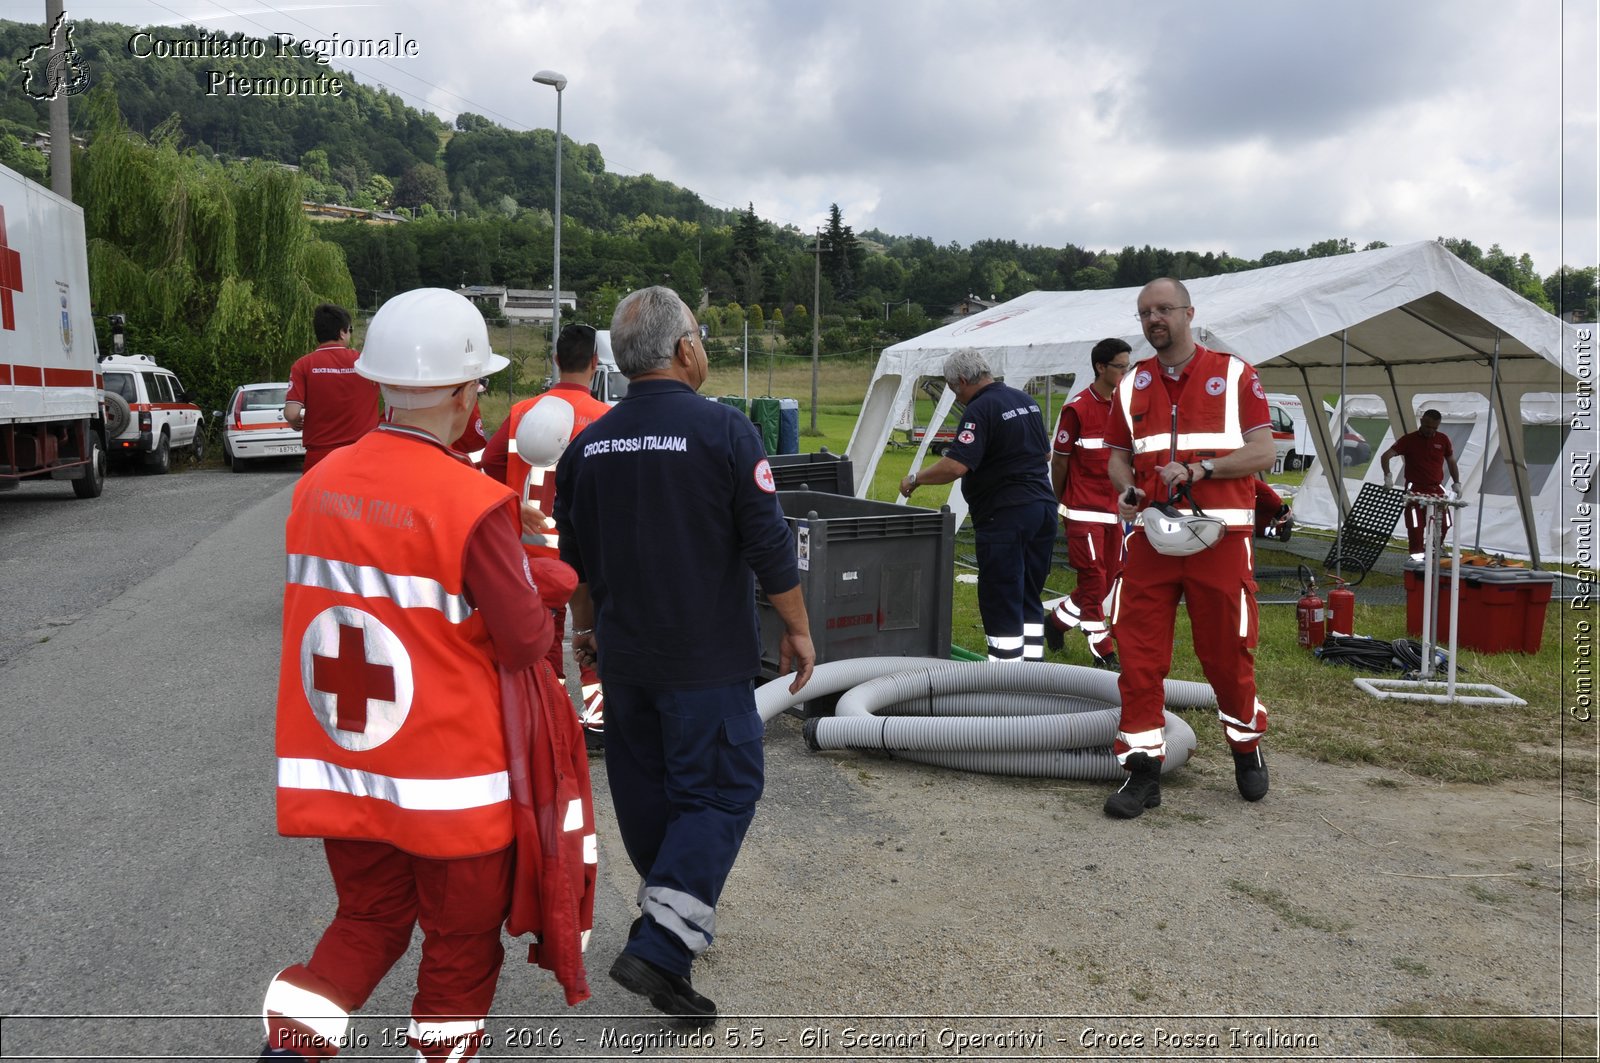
column 52, row 419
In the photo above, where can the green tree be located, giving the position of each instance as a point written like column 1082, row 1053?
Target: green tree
column 423, row 184
column 757, row 318
column 29, row 162
column 841, row 259
column 379, row 190
column 1573, row 293
column 685, row 272
column 1516, row 273
column 216, row 266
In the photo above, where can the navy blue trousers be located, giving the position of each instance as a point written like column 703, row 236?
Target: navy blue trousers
column 1014, row 549
column 685, row 769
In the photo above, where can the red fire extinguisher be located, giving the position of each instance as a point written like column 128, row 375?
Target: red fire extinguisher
column 1341, row 610
column 1309, row 613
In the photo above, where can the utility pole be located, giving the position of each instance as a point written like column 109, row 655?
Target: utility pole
column 60, row 126
column 816, row 323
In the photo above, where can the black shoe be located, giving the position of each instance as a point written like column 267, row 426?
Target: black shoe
column 1053, row 636
column 1108, row 662
column 279, row 1053
column 1142, row 790
column 670, row 994
column 1250, row 772
column 594, row 740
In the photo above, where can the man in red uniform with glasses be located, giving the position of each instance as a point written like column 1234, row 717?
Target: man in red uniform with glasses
column 1197, row 419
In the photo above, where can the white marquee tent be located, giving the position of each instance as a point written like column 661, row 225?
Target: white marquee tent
column 1392, row 323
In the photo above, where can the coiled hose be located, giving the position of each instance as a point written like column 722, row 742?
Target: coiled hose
column 1028, row 718
column 1378, row 655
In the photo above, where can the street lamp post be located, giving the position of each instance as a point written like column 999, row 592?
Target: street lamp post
column 557, row 82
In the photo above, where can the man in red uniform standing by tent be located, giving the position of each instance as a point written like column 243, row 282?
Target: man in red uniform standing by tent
column 329, row 403
column 1088, row 505
column 1194, row 419
column 420, row 732
column 1425, row 454
column 576, row 363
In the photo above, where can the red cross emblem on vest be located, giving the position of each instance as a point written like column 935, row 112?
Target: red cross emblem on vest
column 357, row 677
column 352, row 679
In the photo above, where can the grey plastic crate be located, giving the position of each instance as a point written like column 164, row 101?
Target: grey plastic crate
column 877, row 578
column 821, row 471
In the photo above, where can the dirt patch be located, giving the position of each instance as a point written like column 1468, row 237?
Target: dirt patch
column 998, row 906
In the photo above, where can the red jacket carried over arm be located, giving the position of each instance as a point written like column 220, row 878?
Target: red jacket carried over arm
column 552, row 808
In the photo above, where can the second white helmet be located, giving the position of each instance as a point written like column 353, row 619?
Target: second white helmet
column 427, row 338
column 544, row 431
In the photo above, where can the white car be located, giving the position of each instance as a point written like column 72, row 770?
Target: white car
column 148, row 414
column 253, row 426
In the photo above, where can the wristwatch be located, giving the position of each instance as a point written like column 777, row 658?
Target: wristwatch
column 1208, row 467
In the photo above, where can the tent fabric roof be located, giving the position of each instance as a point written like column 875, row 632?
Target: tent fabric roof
column 1405, row 306
column 1400, row 319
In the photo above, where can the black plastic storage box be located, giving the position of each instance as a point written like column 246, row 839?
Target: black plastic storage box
column 821, row 471
column 877, row 578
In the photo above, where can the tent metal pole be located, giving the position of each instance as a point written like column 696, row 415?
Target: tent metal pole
column 1494, row 395
column 1511, row 422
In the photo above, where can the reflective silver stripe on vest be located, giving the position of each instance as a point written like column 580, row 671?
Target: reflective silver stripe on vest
column 1230, row 438
column 1091, row 516
column 416, row 795
column 408, row 592
column 1091, row 444
column 1146, row 444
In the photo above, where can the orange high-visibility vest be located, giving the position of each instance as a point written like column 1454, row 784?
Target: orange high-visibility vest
column 1206, row 426
column 389, row 721
column 542, row 487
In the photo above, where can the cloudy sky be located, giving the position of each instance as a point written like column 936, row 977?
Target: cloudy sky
column 1212, row 125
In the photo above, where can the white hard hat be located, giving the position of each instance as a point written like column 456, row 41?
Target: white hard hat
column 1178, row 534
column 427, row 338
column 544, row 431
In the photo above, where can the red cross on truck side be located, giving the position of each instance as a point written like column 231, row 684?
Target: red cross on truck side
column 352, row 679
column 10, row 277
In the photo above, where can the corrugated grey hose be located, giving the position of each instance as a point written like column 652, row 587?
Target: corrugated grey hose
column 1028, row 718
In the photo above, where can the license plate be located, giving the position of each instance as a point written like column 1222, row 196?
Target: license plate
column 287, row 448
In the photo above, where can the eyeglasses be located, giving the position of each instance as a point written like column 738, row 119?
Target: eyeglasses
column 586, row 331
column 1160, row 311
column 1121, row 367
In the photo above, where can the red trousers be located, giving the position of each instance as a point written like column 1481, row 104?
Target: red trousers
column 1094, row 550
column 1417, row 517
column 1220, row 589
column 384, row 893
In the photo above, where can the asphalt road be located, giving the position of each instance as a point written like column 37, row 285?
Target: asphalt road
column 880, row 909
column 61, row 557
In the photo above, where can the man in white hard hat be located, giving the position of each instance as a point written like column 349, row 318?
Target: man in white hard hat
column 420, row 733
column 576, row 362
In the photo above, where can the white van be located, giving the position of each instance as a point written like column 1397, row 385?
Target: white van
column 1291, row 434
column 609, row 384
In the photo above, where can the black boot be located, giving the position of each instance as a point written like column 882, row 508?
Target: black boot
column 1250, row 773
column 672, row 994
column 1142, row 790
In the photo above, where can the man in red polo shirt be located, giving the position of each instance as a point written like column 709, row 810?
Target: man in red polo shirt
column 1425, row 452
column 329, row 404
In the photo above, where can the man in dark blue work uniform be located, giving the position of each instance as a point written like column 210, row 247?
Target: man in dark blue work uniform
column 1002, row 458
column 667, row 509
